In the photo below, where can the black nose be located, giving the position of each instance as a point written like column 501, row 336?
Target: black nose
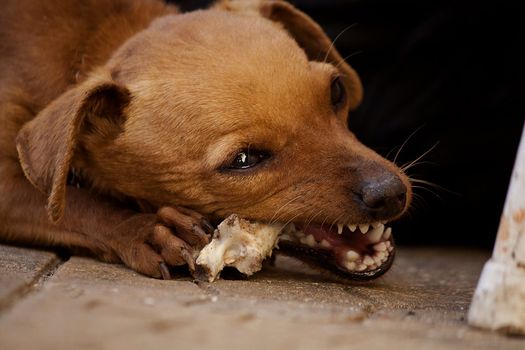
column 383, row 195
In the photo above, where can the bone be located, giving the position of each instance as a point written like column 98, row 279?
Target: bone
column 238, row 243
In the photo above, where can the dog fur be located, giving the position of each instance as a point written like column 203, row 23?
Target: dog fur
column 150, row 106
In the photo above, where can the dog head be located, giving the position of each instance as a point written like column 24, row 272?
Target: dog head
column 241, row 108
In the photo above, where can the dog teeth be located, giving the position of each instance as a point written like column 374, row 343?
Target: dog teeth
column 368, row 260
column 340, row 228
column 350, row 265
column 387, row 233
column 360, row 267
column 352, row 255
column 325, row 244
column 364, row 228
column 285, row 237
column 352, row 228
column 377, row 224
column 375, row 234
column 310, row 240
column 354, row 261
column 380, row 247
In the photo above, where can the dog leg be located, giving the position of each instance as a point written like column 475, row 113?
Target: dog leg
column 147, row 243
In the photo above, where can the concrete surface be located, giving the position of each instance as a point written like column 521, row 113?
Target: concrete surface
column 48, row 303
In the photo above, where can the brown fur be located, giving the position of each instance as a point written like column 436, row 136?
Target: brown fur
column 149, row 104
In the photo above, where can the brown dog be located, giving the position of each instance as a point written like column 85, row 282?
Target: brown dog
column 154, row 116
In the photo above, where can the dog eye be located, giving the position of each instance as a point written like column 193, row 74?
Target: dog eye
column 337, row 93
column 247, row 159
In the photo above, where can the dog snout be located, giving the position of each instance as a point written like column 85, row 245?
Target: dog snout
column 382, row 194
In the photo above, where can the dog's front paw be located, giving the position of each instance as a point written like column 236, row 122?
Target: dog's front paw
column 152, row 242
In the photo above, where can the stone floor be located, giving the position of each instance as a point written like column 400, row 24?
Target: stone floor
column 49, row 303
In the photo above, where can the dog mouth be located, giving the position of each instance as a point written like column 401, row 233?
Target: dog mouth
column 356, row 251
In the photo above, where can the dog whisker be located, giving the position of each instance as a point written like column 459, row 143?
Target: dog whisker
column 347, row 57
column 337, row 37
column 428, row 190
column 284, row 206
column 335, row 221
column 312, row 218
column 294, row 217
column 405, row 142
column 436, row 186
column 408, row 165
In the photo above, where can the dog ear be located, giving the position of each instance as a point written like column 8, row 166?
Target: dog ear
column 306, row 32
column 47, row 143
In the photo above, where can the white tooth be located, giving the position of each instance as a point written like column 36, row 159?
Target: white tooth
column 384, row 222
column 368, row 260
column 351, row 227
column 325, row 244
column 390, row 249
column 377, row 259
column 339, row 228
column 376, row 224
column 285, row 237
column 364, row 228
column 361, row 267
column 310, row 240
column 388, row 244
column 352, row 255
column 380, row 255
column 299, row 234
column 373, row 267
column 375, row 235
column 350, row 265
column 380, row 247
column 387, row 234
column 290, row 228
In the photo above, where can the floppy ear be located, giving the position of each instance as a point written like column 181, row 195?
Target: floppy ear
column 47, row 143
column 306, row 32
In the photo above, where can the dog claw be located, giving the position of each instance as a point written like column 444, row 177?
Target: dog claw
column 189, row 259
column 164, row 271
column 202, row 235
column 207, row 226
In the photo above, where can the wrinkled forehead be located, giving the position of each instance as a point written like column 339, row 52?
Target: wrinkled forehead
column 216, row 62
column 218, row 40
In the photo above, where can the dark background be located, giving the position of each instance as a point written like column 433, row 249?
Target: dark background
column 453, row 73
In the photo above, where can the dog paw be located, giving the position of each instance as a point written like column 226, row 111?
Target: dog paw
column 153, row 242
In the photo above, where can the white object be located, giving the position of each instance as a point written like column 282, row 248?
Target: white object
column 499, row 300
column 238, row 243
